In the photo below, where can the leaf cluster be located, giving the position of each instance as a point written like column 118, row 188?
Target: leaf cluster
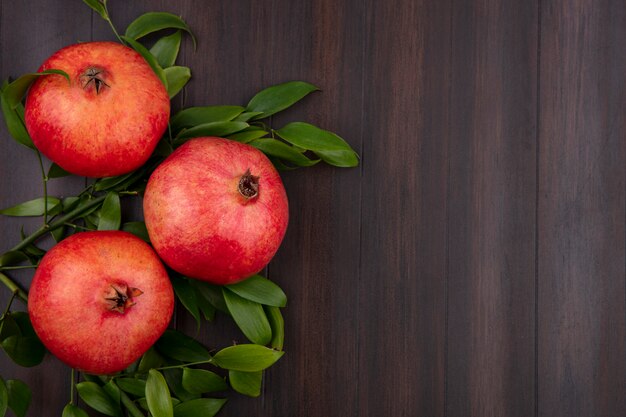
column 170, row 379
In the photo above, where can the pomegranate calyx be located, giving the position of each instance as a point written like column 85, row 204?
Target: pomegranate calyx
column 248, row 185
column 120, row 297
column 93, row 76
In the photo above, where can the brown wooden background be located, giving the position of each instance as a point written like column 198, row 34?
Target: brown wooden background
column 474, row 264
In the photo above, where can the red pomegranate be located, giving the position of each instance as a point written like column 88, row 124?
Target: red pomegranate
column 216, row 210
column 99, row 300
column 108, row 120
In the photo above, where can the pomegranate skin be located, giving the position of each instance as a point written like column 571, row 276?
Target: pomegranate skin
column 97, row 128
column 199, row 222
column 68, row 303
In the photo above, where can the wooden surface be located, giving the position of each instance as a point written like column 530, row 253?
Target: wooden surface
column 475, row 263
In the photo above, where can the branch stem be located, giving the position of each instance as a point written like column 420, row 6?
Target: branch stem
column 15, row 289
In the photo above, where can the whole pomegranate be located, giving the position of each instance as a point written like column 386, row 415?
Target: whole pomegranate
column 99, row 300
column 108, row 120
column 216, row 210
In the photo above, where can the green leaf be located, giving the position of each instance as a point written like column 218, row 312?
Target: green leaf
column 158, row 395
column 174, row 378
column 219, row 129
column 250, row 318
column 134, row 386
column 154, row 21
column 176, row 78
column 14, row 119
column 150, row 359
column 12, row 258
column 113, row 392
column 165, row 50
column 150, row 59
column 71, row 410
column 110, row 213
column 99, row 8
column 8, row 327
column 19, row 396
column 25, row 351
column 16, row 90
column 278, row 149
column 259, row 289
column 246, row 383
column 248, row 135
column 200, row 381
column 95, row 397
column 194, row 116
column 4, row 398
column 275, row 317
column 246, row 358
column 56, row 171
column 179, row 346
column 202, row 407
column 342, row 159
column 22, row 319
column 34, row 207
column 187, row 296
column 248, row 115
column 110, row 182
column 138, row 229
column 211, row 294
column 279, row 97
column 312, row 137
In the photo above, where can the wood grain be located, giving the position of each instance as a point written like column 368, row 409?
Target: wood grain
column 582, row 172
column 474, row 264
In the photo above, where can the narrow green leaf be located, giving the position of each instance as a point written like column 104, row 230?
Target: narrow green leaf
column 179, row 346
column 34, row 207
column 26, row 351
column 248, row 135
column 187, row 296
column 133, row 386
column 71, row 410
column 22, row 319
column 70, row 203
column 19, row 396
column 14, row 119
column 58, row 234
column 250, row 318
column 165, row 50
column 194, row 116
column 246, row 383
column 278, row 149
column 174, row 378
column 95, row 397
column 260, row 289
column 176, row 78
column 12, row 258
column 202, row 407
column 150, row 59
column 108, row 183
column 275, row 317
column 200, row 381
column 16, row 90
column 342, row 159
column 246, row 358
column 110, row 213
column 150, row 359
column 154, row 21
column 158, row 395
column 220, row 129
column 138, row 229
column 4, row 398
column 56, row 171
column 99, row 8
column 278, row 97
column 248, row 115
column 312, row 137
